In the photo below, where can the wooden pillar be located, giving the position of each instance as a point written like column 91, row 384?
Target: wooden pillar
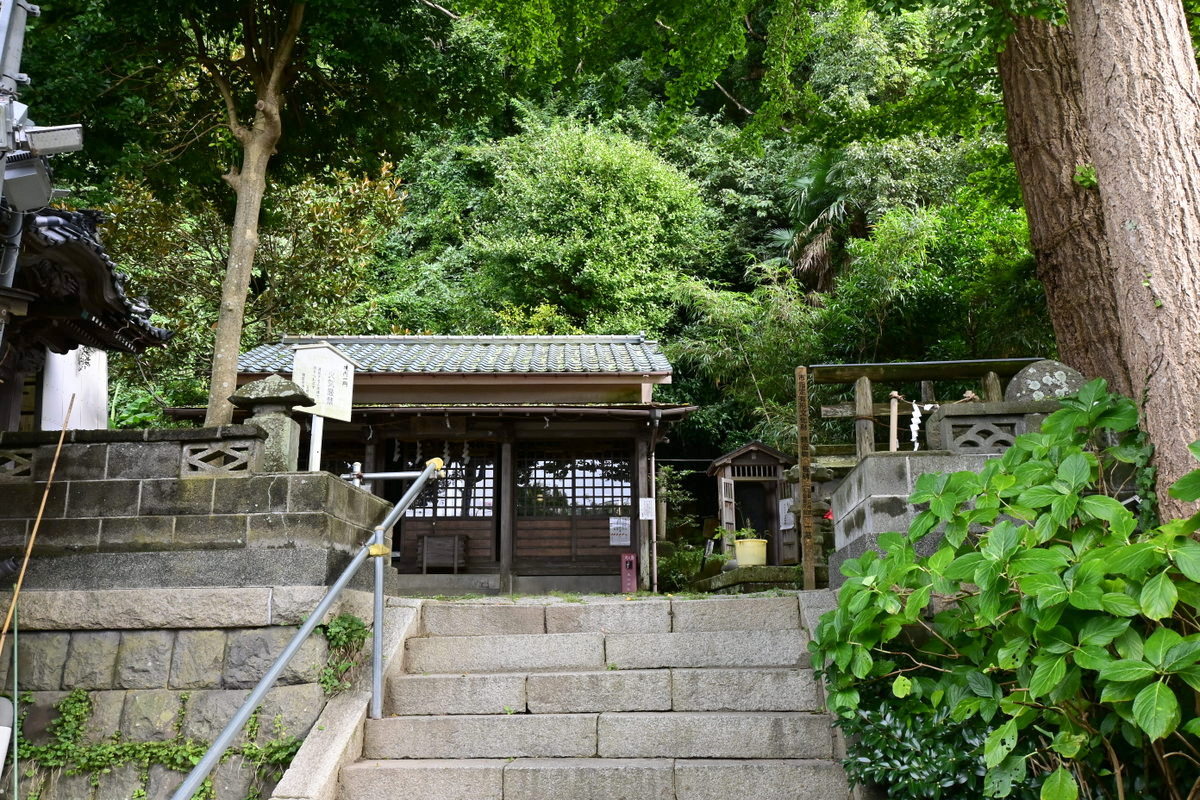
column 893, row 422
column 927, row 393
column 806, row 520
column 508, row 514
column 992, row 393
column 641, row 530
column 370, row 456
column 773, row 521
column 11, row 395
column 864, row 418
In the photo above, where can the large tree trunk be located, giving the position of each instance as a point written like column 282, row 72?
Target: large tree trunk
column 1140, row 92
column 250, row 184
column 1048, row 142
column 269, row 65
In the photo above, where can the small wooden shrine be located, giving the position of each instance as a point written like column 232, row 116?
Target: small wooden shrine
column 753, row 492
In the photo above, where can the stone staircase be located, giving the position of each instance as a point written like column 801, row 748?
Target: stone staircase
column 604, row 700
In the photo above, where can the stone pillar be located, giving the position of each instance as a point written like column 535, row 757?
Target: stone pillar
column 270, row 402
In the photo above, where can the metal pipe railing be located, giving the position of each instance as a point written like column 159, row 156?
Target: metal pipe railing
column 375, row 548
column 357, row 476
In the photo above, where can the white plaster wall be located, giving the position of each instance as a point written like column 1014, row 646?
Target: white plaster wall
column 84, row 373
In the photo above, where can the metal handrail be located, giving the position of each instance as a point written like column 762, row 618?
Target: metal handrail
column 374, row 548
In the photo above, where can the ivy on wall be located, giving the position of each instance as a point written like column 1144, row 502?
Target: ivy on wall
column 68, row 749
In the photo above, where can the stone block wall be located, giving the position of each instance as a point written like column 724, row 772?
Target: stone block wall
column 142, row 453
column 108, row 524
column 873, row 499
column 165, row 667
column 984, row 427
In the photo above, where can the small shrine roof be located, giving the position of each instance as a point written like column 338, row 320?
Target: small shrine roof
column 425, row 355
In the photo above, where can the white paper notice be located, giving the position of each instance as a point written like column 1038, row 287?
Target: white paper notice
column 646, row 508
column 618, row 531
column 787, row 519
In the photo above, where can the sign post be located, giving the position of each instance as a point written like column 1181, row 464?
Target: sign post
column 327, row 376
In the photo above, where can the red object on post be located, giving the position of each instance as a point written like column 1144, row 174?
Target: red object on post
column 629, row 572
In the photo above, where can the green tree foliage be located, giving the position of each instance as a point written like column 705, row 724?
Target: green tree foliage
column 940, row 282
column 561, row 227
column 315, row 271
column 1047, row 613
column 364, row 75
column 685, row 169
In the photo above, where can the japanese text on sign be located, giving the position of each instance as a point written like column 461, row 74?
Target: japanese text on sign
column 618, row 531
column 327, row 376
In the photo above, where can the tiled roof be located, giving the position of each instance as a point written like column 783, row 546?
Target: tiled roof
column 63, row 262
column 474, row 354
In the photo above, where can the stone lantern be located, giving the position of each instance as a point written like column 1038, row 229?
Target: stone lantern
column 270, row 402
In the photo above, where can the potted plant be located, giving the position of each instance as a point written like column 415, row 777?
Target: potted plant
column 750, row 548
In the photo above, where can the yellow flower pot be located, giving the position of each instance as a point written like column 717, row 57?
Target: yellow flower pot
column 750, row 552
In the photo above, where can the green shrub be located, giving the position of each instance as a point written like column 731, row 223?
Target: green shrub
column 684, row 564
column 1047, row 614
column 915, row 749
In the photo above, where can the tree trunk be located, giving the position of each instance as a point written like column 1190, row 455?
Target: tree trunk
column 1048, row 142
column 250, row 184
column 1140, row 89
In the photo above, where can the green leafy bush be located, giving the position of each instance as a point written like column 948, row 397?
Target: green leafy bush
column 684, row 564
column 917, row 750
column 1046, row 613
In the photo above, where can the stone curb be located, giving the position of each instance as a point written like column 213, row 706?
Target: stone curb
column 175, row 609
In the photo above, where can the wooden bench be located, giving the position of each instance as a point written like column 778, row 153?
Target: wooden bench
column 442, row 550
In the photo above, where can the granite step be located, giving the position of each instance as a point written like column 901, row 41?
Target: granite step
column 711, row 689
column 593, row 779
column 714, row 734
column 672, row 734
column 736, row 648
column 481, row 736
column 510, row 653
column 610, row 615
column 583, row 651
column 759, row 689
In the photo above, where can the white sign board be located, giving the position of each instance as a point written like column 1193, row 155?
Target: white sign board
column 618, row 531
column 327, row 376
column 787, row 519
column 646, row 508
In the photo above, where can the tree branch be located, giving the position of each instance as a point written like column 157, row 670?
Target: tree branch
column 282, row 56
column 223, row 86
column 113, row 86
column 445, row 11
column 733, row 99
column 252, row 44
column 750, row 29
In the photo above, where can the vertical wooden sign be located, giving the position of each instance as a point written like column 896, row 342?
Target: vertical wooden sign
column 809, row 551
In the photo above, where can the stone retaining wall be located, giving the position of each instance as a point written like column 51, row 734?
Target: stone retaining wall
column 200, row 530
column 873, row 499
column 166, row 666
column 140, row 453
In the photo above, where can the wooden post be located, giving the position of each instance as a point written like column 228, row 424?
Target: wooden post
column 639, row 530
column 508, row 515
column 992, row 393
column 927, row 393
column 317, row 433
column 864, row 418
column 893, row 415
column 809, row 549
